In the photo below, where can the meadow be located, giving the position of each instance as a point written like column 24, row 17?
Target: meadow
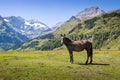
column 55, row 65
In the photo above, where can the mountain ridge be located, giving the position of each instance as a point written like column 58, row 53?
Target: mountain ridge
column 98, row 26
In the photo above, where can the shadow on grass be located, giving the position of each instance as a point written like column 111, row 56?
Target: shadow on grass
column 103, row 64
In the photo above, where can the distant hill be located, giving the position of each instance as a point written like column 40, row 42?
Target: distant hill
column 103, row 30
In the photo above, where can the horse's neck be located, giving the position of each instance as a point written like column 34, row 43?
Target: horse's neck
column 68, row 43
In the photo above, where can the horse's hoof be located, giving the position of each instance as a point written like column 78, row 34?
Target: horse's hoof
column 86, row 63
column 90, row 63
column 71, row 62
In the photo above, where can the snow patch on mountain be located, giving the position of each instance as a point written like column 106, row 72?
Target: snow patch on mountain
column 6, row 20
column 35, row 25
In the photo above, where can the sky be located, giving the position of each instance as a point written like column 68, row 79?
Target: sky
column 51, row 12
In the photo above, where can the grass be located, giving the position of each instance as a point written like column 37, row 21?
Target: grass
column 54, row 65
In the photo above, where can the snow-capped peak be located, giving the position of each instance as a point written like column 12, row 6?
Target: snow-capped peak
column 36, row 24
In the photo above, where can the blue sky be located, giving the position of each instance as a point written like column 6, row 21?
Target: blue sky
column 52, row 11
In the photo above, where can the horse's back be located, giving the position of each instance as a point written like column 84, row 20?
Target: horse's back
column 87, row 43
column 81, row 42
column 81, row 45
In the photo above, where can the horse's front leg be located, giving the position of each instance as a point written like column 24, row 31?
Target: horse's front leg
column 71, row 57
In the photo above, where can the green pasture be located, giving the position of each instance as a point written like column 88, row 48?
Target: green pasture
column 54, row 65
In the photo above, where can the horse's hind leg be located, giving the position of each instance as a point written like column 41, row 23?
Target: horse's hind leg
column 91, row 59
column 87, row 57
column 87, row 60
column 91, row 55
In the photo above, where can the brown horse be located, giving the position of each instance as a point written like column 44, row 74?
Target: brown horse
column 78, row 46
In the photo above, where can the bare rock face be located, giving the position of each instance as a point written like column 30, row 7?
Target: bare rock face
column 89, row 13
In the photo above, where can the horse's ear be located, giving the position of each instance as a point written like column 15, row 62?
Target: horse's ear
column 64, row 35
column 61, row 35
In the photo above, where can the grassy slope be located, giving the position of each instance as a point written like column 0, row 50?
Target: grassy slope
column 54, row 65
column 66, row 27
column 105, row 28
column 31, row 45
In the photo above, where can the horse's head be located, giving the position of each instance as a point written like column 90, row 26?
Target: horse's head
column 65, row 40
column 62, row 38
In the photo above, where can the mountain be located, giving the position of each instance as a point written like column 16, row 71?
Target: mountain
column 30, row 28
column 89, row 13
column 8, row 36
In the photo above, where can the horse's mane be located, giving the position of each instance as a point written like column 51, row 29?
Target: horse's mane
column 67, row 39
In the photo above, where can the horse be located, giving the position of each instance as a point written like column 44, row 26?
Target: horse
column 78, row 46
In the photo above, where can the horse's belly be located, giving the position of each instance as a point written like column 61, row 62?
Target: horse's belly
column 78, row 48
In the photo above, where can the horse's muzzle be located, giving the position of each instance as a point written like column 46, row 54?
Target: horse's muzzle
column 61, row 43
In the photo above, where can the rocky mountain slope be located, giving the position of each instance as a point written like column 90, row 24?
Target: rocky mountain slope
column 89, row 13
